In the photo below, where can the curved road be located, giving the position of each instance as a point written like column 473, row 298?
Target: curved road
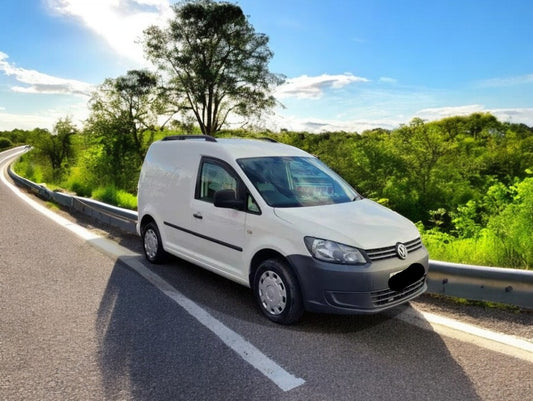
column 82, row 318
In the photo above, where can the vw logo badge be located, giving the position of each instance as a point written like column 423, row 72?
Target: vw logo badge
column 401, row 250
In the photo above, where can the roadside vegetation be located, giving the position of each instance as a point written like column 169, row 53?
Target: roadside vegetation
column 467, row 181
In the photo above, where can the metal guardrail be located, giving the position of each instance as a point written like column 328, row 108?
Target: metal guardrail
column 481, row 283
column 123, row 219
column 477, row 283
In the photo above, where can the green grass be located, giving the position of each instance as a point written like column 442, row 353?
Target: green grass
column 26, row 168
column 504, row 243
column 52, row 206
column 113, row 196
column 485, row 250
column 77, row 183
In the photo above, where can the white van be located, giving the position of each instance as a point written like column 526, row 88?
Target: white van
column 274, row 218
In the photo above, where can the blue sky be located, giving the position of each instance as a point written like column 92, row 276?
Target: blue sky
column 350, row 65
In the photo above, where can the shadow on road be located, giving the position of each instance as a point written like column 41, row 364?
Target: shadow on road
column 151, row 349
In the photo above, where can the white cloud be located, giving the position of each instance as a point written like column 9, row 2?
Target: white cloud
column 317, row 125
column 437, row 113
column 391, row 121
column 306, row 87
column 518, row 115
column 37, row 82
column 45, row 118
column 513, row 115
column 388, row 80
column 509, row 81
column 119, row 22
column 9, row 121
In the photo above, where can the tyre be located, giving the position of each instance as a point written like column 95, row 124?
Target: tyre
column 277, row 292
column 152, row 245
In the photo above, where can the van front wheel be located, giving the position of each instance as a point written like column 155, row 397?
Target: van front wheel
column 153, row 248
column 277, row 292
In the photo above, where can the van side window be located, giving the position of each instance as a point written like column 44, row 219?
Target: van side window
column 252, row 206
column 213, row 177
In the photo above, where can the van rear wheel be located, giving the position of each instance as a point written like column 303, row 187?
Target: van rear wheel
column 277, row 292
column 153, row 248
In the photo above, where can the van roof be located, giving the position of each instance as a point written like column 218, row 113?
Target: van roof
column 236, row 148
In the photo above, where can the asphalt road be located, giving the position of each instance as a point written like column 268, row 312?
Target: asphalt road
column 77, row 323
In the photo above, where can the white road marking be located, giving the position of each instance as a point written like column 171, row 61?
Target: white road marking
column 506, row 344
column 251, row 354
column 503, row 343
column 76, row 229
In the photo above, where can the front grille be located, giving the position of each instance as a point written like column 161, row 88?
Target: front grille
column 390, row 251
column 385, row 297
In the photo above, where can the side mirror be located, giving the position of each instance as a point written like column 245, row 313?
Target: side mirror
column 227, row 199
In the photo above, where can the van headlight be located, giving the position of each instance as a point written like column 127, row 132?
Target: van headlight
column 333, row 252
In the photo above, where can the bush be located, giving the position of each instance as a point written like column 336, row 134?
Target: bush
column 506, row 239
column 514, row 226
column 78, row 183
column 106, row 194
column 113, row 196
column 126, row 200
column 26, row 168
column 5, row 143
column 483, row 250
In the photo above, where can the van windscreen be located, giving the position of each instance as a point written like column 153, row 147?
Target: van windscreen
column 291, row 181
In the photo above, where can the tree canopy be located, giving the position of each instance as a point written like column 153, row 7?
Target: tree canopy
column 127, row 107
column 58, row 146
column 467, row 181
column 214, row 62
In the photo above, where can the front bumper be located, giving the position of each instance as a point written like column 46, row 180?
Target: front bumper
column 362, row 289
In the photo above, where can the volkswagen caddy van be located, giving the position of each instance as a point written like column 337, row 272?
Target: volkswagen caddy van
column 276, row 219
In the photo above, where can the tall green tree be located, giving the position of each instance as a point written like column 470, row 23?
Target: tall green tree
column 5, row 143
column 216, row 64
column 131, row 105
column 57, row 147
column 124, row 117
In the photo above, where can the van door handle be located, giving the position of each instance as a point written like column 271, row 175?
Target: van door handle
column 198, row 215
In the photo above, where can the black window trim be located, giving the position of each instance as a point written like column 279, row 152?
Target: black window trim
column 242, row 189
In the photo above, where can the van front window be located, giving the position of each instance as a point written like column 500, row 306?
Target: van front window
column 214, row 177
column 296, row 181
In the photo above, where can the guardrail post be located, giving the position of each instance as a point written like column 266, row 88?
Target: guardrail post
column 480, row 283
